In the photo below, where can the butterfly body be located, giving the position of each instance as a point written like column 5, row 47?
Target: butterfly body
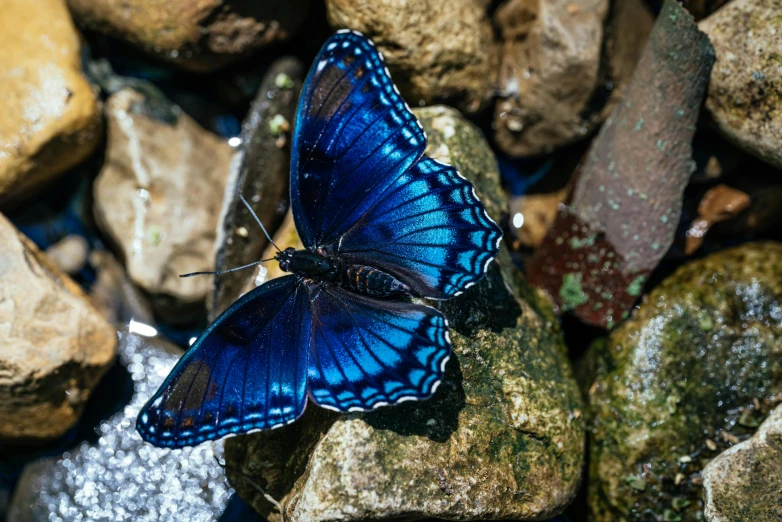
column 380, row 222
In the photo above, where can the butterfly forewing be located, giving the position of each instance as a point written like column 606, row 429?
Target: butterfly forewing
column 354, row 135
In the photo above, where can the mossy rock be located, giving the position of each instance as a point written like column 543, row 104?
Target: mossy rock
column 692, row 372
column 503, row 436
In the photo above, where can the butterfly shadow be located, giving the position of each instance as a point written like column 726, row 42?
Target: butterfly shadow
column 436, row 418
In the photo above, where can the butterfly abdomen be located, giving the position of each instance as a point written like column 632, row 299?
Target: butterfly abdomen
column 366, row 280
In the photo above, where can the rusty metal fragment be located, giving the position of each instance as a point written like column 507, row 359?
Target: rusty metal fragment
column 628, row 195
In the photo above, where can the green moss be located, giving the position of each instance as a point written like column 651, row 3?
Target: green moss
column 690, row 364
column 571, row 292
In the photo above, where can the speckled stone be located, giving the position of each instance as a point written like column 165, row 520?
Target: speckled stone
column 50, row 119
column 744, row 483
column 502, row 437
column 435, row 49
column 745, row 93
column 694, row 370
column 122, row 477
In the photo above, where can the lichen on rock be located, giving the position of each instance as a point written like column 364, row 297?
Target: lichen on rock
column 694, row 370
column 501, row 438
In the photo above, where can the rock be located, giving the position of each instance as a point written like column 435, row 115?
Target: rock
column 159, row 196
column 200, row 36
column 260, row 174
column 744, row 94
column 436, row 50
column 114, row 294
column 50, row 119
column 719, row 203
column 54, row 346
column 533, row 214
column 119, row 476
column 628, row 193
column 693, row 371
column 69, row 254
column 744, row 483
column 563, row 67
column 501, row 438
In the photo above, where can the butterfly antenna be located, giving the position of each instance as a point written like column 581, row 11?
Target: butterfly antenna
column 265, row 233
column 226, row 271
column 246, row 477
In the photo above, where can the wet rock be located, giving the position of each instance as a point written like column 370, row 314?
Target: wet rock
column 114, row 294
column 745, row 482
column 54, row 346
column 158, row 197
column 200, row 36
column 436, row 50
column 50, row 119
column 119, row 476
column 563, row 67
column 260, row 174
column 628, row 195
column 693, row 371
column 501, row 438
column 744, row 94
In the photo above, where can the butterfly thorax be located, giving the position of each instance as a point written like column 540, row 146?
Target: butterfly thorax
column 362, row 279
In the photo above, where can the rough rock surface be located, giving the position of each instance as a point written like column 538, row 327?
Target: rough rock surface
column 260, row 174
column 501, row 438
column 50, row 119
column 628, row 193
column 693, row 371
column 435, row 49
column 744, row 483
column 119, row 476
column 563, row 66
column 745, row 93
column 54, row 346
column 201, row 36
column 159, row 197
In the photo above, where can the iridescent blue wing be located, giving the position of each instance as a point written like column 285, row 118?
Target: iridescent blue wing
column 428, row 229
column 247, row 371
column 354, row 136
column 369, row 352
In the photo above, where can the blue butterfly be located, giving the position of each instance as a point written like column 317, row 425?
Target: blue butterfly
column 380, row 223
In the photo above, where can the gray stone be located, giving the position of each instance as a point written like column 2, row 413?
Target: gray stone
column 159, row 196
column 501, row 438
column 54, row 345
column 745, row 93
column 692, row 372
column 744, row 483
column 121, row 477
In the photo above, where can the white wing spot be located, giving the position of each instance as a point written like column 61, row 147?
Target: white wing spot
column 331, row 46
column 343, row 31
column 321, row 65
column 387, row 73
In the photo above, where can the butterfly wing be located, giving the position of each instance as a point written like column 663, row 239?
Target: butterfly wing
column 429, row 229
column 367, row 352
column 354, row 136
column 247, row 371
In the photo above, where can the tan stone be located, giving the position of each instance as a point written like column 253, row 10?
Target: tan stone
column 558, row 78
column 159, row 197
column 49, row 120
column 745, row 93
column 54, row 346
column 435, row 49
column 199, row 35
column 744, row 482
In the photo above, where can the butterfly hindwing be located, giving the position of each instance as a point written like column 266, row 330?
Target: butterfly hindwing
column 354, row 135
column 247, row 371
column 429, row 229
column 367, row 352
